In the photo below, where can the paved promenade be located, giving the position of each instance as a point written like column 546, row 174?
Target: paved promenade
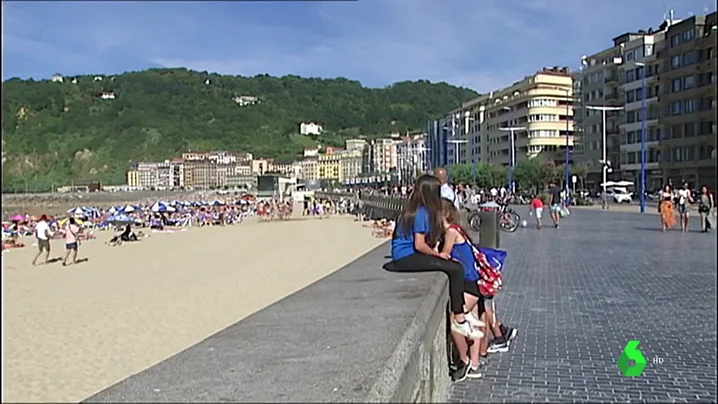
column 579, row 293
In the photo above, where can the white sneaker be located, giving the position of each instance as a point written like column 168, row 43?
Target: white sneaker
column 466, row 330
column 475, row 322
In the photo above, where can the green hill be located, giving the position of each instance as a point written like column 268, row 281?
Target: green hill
column 57, row 132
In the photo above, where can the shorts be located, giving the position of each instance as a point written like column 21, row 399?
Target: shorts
column 71, row 246
column 683, row 209
column 472, row 288
column 43, row 245
column 556, row 207
column 539, row 212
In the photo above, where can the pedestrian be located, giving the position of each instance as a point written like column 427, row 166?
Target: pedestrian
column 705, row 209
column 71, row 240
column 537, row 207
column 43, row 236
column 555, row 203
column 685, row 199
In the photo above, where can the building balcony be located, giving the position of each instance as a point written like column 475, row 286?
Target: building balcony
column 611, row 78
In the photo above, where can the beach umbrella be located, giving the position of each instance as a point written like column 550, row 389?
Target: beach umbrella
column 64, row 220
column 113, row 209
column 217, row 202
column 120, row 219
column 129, row 209
column 78, row 211
column 161, row 207
column 18, row 218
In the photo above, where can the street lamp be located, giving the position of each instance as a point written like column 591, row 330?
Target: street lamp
column 606, row 164
column 642, row 197
column 566, row 164
column 512, row 140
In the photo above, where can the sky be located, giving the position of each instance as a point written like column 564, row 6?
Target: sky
column 480, row 44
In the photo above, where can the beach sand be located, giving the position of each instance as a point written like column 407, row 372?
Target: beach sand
column 73, row 331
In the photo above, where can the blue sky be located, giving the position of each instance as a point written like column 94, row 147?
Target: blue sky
column 481, row 44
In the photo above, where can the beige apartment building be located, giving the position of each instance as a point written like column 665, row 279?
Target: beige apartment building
column 380, row 156
column 309, row 169
column 534, row 114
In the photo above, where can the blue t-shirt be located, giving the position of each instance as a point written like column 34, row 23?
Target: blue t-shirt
column 465, row 255
column 403, row 244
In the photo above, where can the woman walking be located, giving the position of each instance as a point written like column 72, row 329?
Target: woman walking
column 419, row 228
column 705, row 209
column 665, row 208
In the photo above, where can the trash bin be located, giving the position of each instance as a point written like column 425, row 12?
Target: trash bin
column 489, row 233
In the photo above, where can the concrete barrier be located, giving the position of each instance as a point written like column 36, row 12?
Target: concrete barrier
column 361, row 334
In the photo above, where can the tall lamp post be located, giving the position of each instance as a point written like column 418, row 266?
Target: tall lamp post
column 606, row 164
column 567, row 159
column 642, row 198
column 512, row 153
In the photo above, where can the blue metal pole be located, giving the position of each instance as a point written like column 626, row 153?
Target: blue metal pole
column 643, row 140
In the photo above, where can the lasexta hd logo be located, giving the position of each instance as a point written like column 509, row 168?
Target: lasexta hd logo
column 631, row 353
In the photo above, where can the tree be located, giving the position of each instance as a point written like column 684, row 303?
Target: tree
column 580, row 171
column 159, row 113
column 528, row 175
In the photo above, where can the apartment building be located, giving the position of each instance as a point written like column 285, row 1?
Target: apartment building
column 598, row 85
column 355, row 144
column 412, row 157
column 535, row 115
column 688, row 102
column 310, row 169
column 350, row 163
column 638, row 74
column 380, row 156
column 329, row 165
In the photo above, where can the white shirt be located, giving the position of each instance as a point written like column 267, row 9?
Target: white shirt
column 41, row 230
column 683, row 195
column 448, row 193
column 494, row 192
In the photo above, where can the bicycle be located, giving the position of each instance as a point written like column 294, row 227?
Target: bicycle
column 508, row 219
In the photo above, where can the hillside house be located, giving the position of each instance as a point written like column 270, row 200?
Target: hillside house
column 57, row 78
column 108, row 96
column 97, row 78
column 310, row 128
column 245, row 100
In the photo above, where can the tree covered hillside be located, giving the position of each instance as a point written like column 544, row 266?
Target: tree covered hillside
column 57, row 132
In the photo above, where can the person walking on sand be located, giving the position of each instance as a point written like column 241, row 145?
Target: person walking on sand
column 43, row 235
column 71, row 241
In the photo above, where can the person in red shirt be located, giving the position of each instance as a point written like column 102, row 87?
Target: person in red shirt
column 537, row 206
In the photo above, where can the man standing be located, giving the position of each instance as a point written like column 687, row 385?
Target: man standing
column 43, row 235
column 446, row 191
column 555, row 191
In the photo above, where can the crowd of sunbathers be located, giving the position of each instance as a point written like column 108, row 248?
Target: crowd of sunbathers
column 157, row 216
column 275, row 210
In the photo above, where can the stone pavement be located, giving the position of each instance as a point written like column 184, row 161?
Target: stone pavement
column 580, row 293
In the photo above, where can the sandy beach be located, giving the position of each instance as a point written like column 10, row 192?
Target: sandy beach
column 72, row 331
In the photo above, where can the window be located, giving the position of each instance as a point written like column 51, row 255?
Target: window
column 689, row 58
column 630, row 116
column 543, row 133
column 676, row 85
column 639, row 94
column 630, row 55
column 689, row 82
column 675, row 62
column 689, row 129
column 543, row 117
column 675, row 40
column 630, row 96
column 676, row 108
column 543, row 102
column 689, row 105
column 688, row 35
column 630, row 76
